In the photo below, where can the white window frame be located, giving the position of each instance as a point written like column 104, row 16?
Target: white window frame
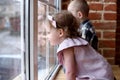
column 31, row 34
column 31, row 39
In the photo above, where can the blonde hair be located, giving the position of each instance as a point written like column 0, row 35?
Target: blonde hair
column 80, row 5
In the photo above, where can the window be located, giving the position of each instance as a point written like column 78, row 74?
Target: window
column 24, row 49
column 47, row 61
column 11, row 39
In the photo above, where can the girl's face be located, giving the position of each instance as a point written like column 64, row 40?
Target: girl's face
column 53, row 35
column 41, row 35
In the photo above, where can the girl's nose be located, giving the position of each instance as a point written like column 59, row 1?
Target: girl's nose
column 47, row 37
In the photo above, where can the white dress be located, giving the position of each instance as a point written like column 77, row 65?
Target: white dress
column 90, row 64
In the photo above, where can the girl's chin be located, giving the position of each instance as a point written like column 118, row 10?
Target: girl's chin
column 53, row 44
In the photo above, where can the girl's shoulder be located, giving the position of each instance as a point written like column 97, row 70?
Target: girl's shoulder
column 71, row 42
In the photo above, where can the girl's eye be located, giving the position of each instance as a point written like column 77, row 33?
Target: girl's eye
column 40, row 32
column 47, row 33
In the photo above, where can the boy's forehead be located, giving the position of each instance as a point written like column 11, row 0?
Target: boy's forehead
column 72, row 9
column 72, row 6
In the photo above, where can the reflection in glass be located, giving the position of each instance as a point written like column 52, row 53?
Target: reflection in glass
column 46, row 52
column 10, row 39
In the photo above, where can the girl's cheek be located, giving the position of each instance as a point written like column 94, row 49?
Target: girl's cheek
column 48, row 37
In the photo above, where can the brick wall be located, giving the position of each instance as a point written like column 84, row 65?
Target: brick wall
column 103, row 16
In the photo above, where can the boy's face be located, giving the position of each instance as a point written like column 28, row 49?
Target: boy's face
column 71, row 8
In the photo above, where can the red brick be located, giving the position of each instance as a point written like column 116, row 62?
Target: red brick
column 108, row 35
column 110, row 16
column 95, row 16
column 110, row 7
column 96, row 6
column 105, row 25
column 110, row 0
column 107, row 43
column 111, row 61
column 100, row 51
column 64, row 6
column 109, row 53
column 98, row 34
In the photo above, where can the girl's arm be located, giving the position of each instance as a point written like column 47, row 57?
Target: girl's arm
column 69, row 63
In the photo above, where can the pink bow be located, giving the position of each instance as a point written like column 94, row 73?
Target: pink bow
column 53, row 21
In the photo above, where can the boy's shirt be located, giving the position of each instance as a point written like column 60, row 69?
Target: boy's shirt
column 88, row 33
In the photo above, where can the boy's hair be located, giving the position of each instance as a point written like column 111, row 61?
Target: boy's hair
column 81, row 5
column 66, row 21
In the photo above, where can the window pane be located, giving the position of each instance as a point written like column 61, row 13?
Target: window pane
column 46, row 53
column 10, row 39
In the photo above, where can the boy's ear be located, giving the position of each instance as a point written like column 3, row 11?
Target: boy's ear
column 79, row 13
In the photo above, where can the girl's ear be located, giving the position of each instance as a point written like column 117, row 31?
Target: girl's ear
column 61, row 32
column 80, row 15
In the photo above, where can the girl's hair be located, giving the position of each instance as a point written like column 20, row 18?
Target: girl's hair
column 66, row 21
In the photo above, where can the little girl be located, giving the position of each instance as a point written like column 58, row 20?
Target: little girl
column 79, row 59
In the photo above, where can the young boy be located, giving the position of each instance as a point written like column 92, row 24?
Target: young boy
column 80, row 9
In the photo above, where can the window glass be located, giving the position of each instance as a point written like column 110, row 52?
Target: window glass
column 10, row 39
column 46, row 53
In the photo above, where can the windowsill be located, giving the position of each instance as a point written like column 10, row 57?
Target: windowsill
column 52, row 76
column 19, row 77
column 60, row 75
column 54, row 73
